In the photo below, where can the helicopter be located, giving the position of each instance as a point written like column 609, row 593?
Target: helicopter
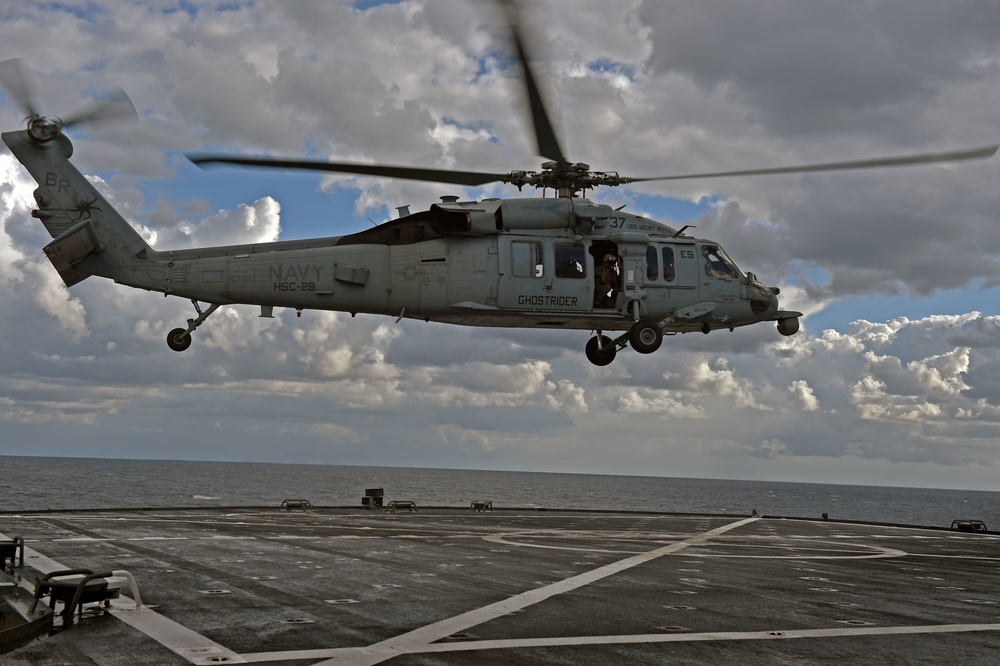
column 556, row 262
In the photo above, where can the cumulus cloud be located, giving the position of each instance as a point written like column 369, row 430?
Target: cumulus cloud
column 256, row 223
column 803, row 396
column 660, row 403
column 21, row 262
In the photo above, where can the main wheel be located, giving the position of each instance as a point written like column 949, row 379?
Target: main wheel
column 605, row 354
column 645, row 336
column 179, row 339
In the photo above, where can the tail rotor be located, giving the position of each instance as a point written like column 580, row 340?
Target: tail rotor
column 113, row 106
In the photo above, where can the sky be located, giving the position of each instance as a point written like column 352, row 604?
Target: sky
column 892, row 379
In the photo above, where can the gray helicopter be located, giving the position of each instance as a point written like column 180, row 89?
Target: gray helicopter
column 561, row 262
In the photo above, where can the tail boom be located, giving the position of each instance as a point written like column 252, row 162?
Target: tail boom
column 89, row 236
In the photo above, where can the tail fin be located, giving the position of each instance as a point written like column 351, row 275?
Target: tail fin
column 90, row 237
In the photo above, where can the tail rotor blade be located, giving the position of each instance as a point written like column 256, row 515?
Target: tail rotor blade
column 15, row 84
column 117, row 106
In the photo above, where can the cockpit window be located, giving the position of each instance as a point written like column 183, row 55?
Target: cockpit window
column 718, row 264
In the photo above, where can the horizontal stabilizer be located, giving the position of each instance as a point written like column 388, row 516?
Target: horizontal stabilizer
column 70, row 248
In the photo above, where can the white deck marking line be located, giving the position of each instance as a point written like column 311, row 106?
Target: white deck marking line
column 874, row 552
column 175, row 637
column 957, row 557
column 419, row 639
column 631, row 639
column 41, row 563
column 708, row 636
column 502, row 540
column 289, row 655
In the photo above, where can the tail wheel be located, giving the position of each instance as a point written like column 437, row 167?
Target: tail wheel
column 603, row 355
column 179, row 339
column 645, row 336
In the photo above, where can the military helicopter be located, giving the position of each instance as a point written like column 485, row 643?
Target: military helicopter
column 561, row 262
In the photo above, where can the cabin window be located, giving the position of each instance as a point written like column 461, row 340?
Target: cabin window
column 526, row 258
column 571, row 260
column 652, row 265
column 668, row 264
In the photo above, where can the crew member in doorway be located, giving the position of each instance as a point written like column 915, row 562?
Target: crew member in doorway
column 608, row 282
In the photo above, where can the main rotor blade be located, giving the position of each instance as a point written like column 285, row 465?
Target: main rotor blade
column 15, row 84
column 906, row 160
column 116, row 106
column 471, row 178
column 545, row 134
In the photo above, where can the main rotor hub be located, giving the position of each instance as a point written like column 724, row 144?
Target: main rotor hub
column 566, row 178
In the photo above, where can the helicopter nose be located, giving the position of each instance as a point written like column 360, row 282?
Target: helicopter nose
column 763, row 300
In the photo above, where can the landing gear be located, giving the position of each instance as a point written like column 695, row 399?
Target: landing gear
column 645, row 336
column 601, row 350
column 179, row 339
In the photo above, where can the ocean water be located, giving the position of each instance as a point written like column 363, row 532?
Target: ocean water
column 31, row 483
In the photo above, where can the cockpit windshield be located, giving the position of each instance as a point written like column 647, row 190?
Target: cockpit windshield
column 718, row 264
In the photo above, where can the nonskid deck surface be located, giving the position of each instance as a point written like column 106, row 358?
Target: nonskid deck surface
column 337, row 586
